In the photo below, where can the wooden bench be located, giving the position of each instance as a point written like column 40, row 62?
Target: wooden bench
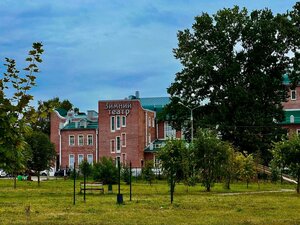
column 92, row 186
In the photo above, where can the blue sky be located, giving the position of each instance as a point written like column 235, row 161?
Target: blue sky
column 98, row 49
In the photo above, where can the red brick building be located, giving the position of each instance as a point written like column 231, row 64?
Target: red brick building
column 125, row 130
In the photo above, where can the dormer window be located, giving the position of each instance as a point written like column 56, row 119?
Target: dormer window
column 292, row 119
column 293, row 95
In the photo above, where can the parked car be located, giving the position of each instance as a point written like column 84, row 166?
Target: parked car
column 49, row 172
column 2, row 173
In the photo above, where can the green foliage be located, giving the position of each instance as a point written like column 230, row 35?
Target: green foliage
column 42, row 152
column 211, row 157
column 86, row 168
column 43, row 113
column 15, row 111
column 286, row 153
column 105, row 171
column 235, row 59
column 126, row 174
column 171, row 157
column 248, row 171
column 147, row 172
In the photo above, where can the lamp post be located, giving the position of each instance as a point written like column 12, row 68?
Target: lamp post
column 192, row 119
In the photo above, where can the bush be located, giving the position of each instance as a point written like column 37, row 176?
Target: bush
column 126, row 174
column 106, row 171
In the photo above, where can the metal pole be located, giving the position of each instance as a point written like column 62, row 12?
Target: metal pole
column 130, row 180
column 192, row 125
column 84, row 181
column 119, row 176
column 74, row 196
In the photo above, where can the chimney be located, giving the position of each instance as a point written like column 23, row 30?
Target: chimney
column 137, row 94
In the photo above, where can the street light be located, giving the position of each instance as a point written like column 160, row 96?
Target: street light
column 192, row 123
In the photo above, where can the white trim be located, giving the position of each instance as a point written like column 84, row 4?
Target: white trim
column 80, row 135
column 71, row 135
column 96, row 145
column 57, row 113
column 298, row 131
column 71, row 165
column 118, row 117
column 87, row 158
column 78, row 158
column 87, row 139
column 122, row 140
column 290, row 110
column 58, row 166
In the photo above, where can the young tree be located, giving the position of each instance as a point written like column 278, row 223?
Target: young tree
column 236, row 60
column 126, row 173
column 287, row 152
column 171, row 162
column 248, row 171
column 86, row 168
column 106, row 171
column 15, row 111
column 147, row 172
column 42, row 152
column 211, row 156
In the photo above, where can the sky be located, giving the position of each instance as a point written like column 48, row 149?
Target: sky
column 104, row 49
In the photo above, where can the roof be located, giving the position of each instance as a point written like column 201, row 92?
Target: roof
column 288, row 114
column 286, row 79
column 90, row 125
column 156, row 145
column 154, row 103
column 62, row 112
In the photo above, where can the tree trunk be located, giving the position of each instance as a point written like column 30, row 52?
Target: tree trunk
column 298, row 184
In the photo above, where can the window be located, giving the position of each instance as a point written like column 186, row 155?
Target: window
column 112, row 124
column 71, row 161
column 90, row 139
column 153, row 123
column 90, row 159
column 118, row 144
column 149, row 121
column 149, row 138
column 298, row 132
column 123, row 121
column 292, row 119
column 124, row 158
column 169, row 131
column 71, row 140
column 123, row 139
column 118, row 123
column 80, row 140
column 80, row 159
column 156, row 162
column 112, row 146
column 293, row 94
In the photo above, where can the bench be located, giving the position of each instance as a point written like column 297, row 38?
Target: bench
column 92, row 186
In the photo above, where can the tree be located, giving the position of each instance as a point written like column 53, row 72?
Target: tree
column 15, row 111
column 248, row 171
column 235, row 61
column 105, row 171
column 171, row 162
column 126, row 174
column 147, row 172
column 42, row 152
column 43, row 113
column 211, row 157
column 287, row 152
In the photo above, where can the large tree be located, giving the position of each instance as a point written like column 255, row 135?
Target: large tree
column 235, row 61
column 43, row 111
column 42, row 152
column 15, row 110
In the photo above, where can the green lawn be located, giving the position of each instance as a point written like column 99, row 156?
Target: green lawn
column 52, row 203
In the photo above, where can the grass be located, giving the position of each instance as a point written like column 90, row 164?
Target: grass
column 52, row 203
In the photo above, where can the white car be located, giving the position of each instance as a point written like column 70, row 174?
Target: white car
column 49, row 172
column 2, row 173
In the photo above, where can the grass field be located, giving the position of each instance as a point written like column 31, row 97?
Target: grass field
column 52, row 203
